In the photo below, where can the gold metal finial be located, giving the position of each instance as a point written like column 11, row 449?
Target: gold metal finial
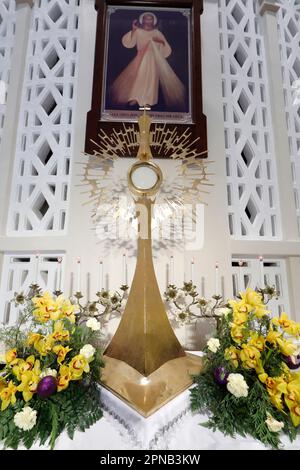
column 144, row 152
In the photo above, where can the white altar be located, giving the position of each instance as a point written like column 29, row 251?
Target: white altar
column 184, row 434
column 172, row 427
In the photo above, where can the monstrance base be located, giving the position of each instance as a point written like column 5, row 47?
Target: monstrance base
column 147, row 394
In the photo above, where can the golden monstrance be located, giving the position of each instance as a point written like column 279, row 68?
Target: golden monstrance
column 145, row 365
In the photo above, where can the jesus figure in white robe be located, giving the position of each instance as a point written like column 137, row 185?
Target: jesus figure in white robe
column 139, row 82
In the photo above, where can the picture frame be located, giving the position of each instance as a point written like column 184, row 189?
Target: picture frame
column 147, row 50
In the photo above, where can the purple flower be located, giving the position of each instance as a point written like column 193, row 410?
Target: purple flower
column 47, row 386
column 221, row 375
column 292, row 361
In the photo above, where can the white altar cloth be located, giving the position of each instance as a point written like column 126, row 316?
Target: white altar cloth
column 186, row 434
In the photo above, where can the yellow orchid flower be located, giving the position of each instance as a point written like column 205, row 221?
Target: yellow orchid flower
column 287, row 347
column 294, row 407
column 272, row 336
column 8, row 395
column 276, row 400
column 28, row 385
column 293, row 389
column 11, row 357
column 44, row 345
column 33, row 338
column 61, row 352
column 295, row 414
column 289, row 326
column 63, row 379
column 232, row 354
column 237, row 333
column 77, row 366
column 292, row 398
column 276, row 386
column 46, row 309
column 60, row 334
column 22, row 366
column 67, row 309
column 257, row 341
column 250, row 356
column 254, row 302
column 261, row 311
column 3, row 384
column 240, row 312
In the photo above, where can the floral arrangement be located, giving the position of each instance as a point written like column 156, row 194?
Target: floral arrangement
column 48, row 371
column 250, row 383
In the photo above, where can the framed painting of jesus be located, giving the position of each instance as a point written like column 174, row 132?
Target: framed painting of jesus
column 147, row 54
column 147, row 62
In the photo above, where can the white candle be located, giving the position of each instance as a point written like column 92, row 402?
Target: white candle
column 100, row 276
column 124, row 282
column 192, row 269
column 241, row 287
column 37, row 261
column 262, row 277
column 58, row 273
column 217, row 280
column 171, row 270
column 78, row 274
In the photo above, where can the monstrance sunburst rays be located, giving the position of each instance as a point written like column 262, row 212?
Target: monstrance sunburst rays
column 184, row 187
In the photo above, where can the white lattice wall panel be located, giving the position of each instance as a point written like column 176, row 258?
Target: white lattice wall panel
column 21, row 270
column 40, row 192
column 249, row 272
column 289, row 34
column 7, row 36
column 250, row 163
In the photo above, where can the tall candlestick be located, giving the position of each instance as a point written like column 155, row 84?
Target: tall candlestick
column 262, row 277
column 58, row 273
column 124, row 270
column 78, row 274
column 217, row 280
column 37, row 262
column 241, row 287
column 192, row 269
column 171, row 270
column 100, row 275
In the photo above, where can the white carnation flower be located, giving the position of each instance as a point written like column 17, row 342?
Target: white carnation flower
column 237, row 385
column 87, row 351
column 25, row 419
column 2, row 358
column 222, row 311
column 213, row 344
column 2, row 353
column 273, row 424
column 93, row 324
column 47, row 372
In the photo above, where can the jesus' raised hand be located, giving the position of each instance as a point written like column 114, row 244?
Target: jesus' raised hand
column 134, row 25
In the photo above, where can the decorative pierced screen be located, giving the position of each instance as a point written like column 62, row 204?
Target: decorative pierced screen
column 7, row 36
column 40, row 191
column 289, row 34
column 250, row 164
column 21, row 270
column 252, row 274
